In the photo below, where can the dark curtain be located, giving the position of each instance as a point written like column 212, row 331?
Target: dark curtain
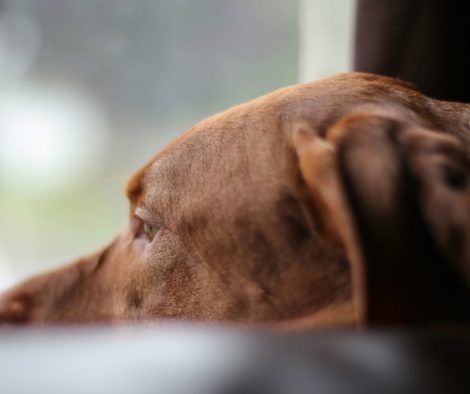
column 426, row 42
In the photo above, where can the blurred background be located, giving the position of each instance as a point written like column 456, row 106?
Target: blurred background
column 91, row 89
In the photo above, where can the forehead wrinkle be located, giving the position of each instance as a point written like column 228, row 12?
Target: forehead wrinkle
column 158, row 190
column 172, row 183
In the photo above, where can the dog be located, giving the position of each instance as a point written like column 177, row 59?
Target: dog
column 343, row 202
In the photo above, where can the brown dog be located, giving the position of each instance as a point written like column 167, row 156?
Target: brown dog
column 340, row 202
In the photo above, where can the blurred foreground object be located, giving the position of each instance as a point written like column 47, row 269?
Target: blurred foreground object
column 425, row 42
column 197, row 360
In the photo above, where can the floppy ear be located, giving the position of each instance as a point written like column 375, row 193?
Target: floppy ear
column 380, row 193
column 441, row 169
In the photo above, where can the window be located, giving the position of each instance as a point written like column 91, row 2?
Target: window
column 91, row 89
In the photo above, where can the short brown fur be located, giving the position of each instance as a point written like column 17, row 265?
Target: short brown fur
column 260, row 217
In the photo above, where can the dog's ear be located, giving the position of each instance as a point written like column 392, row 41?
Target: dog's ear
column 396, row 200
column 440, row 167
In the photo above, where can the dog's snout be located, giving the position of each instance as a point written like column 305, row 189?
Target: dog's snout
column 14, row 309
column 42, row 299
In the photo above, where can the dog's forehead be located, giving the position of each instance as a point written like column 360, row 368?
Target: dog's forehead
column 205, row 159
column 231, row 142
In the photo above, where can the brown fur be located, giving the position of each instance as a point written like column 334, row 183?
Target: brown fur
column 273, row 212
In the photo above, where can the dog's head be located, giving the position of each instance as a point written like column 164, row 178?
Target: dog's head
column 302, row 208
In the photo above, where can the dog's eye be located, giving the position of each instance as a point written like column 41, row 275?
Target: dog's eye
column 140, row 229
column 150, row 230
